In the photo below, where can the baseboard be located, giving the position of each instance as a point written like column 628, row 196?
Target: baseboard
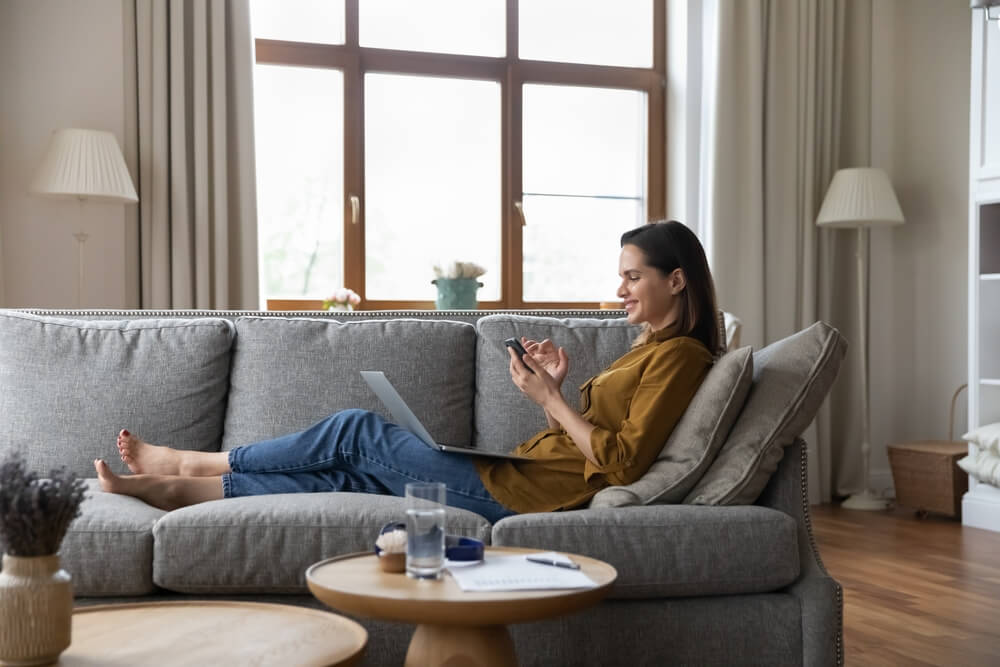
column 981, row 507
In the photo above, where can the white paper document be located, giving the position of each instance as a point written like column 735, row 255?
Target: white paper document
column 516, row 573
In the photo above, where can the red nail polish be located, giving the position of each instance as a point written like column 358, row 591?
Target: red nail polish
column 126, row 433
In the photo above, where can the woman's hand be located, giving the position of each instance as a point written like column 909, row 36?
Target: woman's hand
column 537, row 384
column 553, row 360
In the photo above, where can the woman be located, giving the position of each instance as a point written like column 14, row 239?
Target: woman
column 629, row 411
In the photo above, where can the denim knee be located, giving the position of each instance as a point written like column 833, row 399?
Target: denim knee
column 352, row 417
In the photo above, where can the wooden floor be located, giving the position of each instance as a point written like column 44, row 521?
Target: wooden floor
column 916, row 591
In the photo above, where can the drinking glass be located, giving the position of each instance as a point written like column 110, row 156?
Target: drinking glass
column 425, row 529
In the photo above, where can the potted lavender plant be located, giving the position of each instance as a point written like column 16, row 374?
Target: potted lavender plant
column 36, row 596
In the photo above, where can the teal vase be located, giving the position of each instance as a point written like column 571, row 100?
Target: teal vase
column 456, row 293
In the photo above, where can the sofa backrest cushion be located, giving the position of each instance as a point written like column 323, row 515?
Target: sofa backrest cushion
column 695, row 441
column 504, row 416
column 68, row 386
column 791, row 379
column 288, row 373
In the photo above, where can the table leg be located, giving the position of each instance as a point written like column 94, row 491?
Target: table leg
column 439, row 645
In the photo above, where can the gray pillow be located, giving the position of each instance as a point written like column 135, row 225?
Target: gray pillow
column 504, row 416
column 288, row 373
column 791, row 379
column 68, row 386
column 695, row 440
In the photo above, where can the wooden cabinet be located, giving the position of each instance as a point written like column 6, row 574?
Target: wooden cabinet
column 981, row 505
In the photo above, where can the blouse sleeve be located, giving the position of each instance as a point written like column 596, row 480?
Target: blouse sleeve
column 665, row 388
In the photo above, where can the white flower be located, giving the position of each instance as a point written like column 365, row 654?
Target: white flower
column 456, row 269
column 393, row 542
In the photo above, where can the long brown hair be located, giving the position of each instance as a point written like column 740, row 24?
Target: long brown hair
column 671, row 245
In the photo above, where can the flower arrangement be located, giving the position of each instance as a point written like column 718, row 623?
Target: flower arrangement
column 342, row 299
column 390, row 547
column 35, row 513
column 455, row 270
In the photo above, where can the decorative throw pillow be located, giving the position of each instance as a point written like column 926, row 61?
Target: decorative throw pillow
column 68, row 386
column 983, row 465
column 791, row 379
column 986, row 437
column 695, row 440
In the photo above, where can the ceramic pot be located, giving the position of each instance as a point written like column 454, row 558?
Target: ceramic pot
column 456, row 293
column 36, row 610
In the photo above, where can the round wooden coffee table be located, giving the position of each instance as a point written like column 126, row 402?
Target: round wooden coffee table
column 212, row 633
column 455, row 627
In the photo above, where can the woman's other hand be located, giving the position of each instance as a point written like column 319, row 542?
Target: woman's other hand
column 553, row 360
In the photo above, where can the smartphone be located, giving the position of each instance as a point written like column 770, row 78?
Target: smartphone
column 515, row 344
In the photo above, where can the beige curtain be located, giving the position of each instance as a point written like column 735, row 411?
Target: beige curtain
column 197, row 195
column 2, row 296
column 775, row 130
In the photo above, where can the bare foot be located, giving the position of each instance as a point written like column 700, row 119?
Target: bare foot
column 142, row 457
column 167, row 492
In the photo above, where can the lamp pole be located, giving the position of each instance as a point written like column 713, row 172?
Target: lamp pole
column 866, row 500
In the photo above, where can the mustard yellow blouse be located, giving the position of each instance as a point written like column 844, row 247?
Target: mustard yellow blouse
column 634, row 405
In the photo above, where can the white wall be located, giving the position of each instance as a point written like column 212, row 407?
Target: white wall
column 919, row 271
column 61, row 65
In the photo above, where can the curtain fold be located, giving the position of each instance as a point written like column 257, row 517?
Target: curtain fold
column 775, row 143
column 197, row 202
column 2, row 296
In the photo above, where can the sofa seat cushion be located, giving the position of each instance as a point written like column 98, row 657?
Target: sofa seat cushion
column 108, row 549
column 68, row 386
column 504, row 416
column 289, row 373
column 263, row 544
column 670, row 550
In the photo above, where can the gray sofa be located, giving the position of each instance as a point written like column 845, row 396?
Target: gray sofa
column 716, row 560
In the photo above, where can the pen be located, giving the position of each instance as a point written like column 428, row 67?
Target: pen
column 569, row 565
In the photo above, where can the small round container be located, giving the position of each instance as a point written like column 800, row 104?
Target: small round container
column 396, row 560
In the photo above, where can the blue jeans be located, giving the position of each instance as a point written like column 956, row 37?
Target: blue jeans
column 359, row 451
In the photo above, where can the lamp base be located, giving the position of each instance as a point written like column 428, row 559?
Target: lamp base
column 865, row 501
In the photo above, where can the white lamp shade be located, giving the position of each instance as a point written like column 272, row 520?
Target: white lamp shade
column 86, row 164
column 860, row 197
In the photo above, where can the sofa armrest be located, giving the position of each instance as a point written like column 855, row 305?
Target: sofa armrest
column 820, row 595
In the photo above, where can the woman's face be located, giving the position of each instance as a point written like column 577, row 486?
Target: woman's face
column 648, row 295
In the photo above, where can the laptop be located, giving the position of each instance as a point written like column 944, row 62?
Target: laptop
column 403, row 416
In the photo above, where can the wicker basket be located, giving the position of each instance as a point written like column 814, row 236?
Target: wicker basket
column 927, row 477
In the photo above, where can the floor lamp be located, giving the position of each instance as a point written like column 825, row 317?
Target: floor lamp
column 861, row 198
column 84, row 164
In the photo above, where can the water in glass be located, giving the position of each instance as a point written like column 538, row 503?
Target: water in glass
column 424, row 542
column 425, row 529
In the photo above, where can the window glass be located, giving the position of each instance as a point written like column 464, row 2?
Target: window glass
column 594, row 32
column 298, row 113
column 432, row 182
column 318, row 21
column 583, row 175
column 467, row 27
column 584, row 141
column 571, row 246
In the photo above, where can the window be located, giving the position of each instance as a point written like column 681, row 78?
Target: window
column 393, row 135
